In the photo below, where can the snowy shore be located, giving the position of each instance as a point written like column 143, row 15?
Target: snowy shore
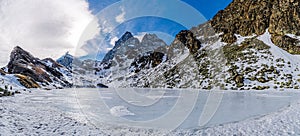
column 56, row 112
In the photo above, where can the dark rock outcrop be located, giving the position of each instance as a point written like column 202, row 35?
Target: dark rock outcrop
column 149, row 60
column 99, row 85
column 187, row 38
column 184, row 40
column 45, row 71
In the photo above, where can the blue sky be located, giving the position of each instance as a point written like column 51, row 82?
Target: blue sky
column 165, row 18
column 207, row 7
column 62, row 28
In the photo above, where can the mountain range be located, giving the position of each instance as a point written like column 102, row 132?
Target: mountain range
column 250, row 45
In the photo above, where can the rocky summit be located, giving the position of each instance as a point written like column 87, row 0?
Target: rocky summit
column 33, row 72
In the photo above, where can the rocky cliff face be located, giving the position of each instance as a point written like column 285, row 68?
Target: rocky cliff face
column 248, row 17
column 184, row 40
column 148, row 61
column 32, row 70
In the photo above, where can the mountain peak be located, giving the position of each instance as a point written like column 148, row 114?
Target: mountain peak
column 127, row 35
column 17, row 48
column 20, row 54
column 148, row 35
column 152, row 37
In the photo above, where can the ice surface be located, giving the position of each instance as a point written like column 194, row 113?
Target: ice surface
column 84, row 112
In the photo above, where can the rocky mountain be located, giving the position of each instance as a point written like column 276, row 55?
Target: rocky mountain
column 248, row 45
column 128, row 50
column 185, row 46
column 32, row 72
column 66, row 60
column 82, row 71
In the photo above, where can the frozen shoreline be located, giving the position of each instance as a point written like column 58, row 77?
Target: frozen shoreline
column 56, row 113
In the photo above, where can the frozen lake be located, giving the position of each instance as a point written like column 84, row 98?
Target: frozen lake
column 168, row 109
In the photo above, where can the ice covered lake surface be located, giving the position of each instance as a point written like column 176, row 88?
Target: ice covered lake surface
column 165, row 108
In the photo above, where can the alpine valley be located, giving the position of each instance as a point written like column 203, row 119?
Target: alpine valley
column 250, row 45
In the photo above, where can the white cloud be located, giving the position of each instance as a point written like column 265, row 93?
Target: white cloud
column 46, row 28
column 113, row 40
column 121, row 18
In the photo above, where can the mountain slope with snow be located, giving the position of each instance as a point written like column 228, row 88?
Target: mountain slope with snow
column 248, row 50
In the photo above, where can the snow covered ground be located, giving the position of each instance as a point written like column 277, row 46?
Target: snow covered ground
column 111, row 112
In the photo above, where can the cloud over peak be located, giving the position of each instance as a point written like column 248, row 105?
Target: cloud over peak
column 47, row 28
